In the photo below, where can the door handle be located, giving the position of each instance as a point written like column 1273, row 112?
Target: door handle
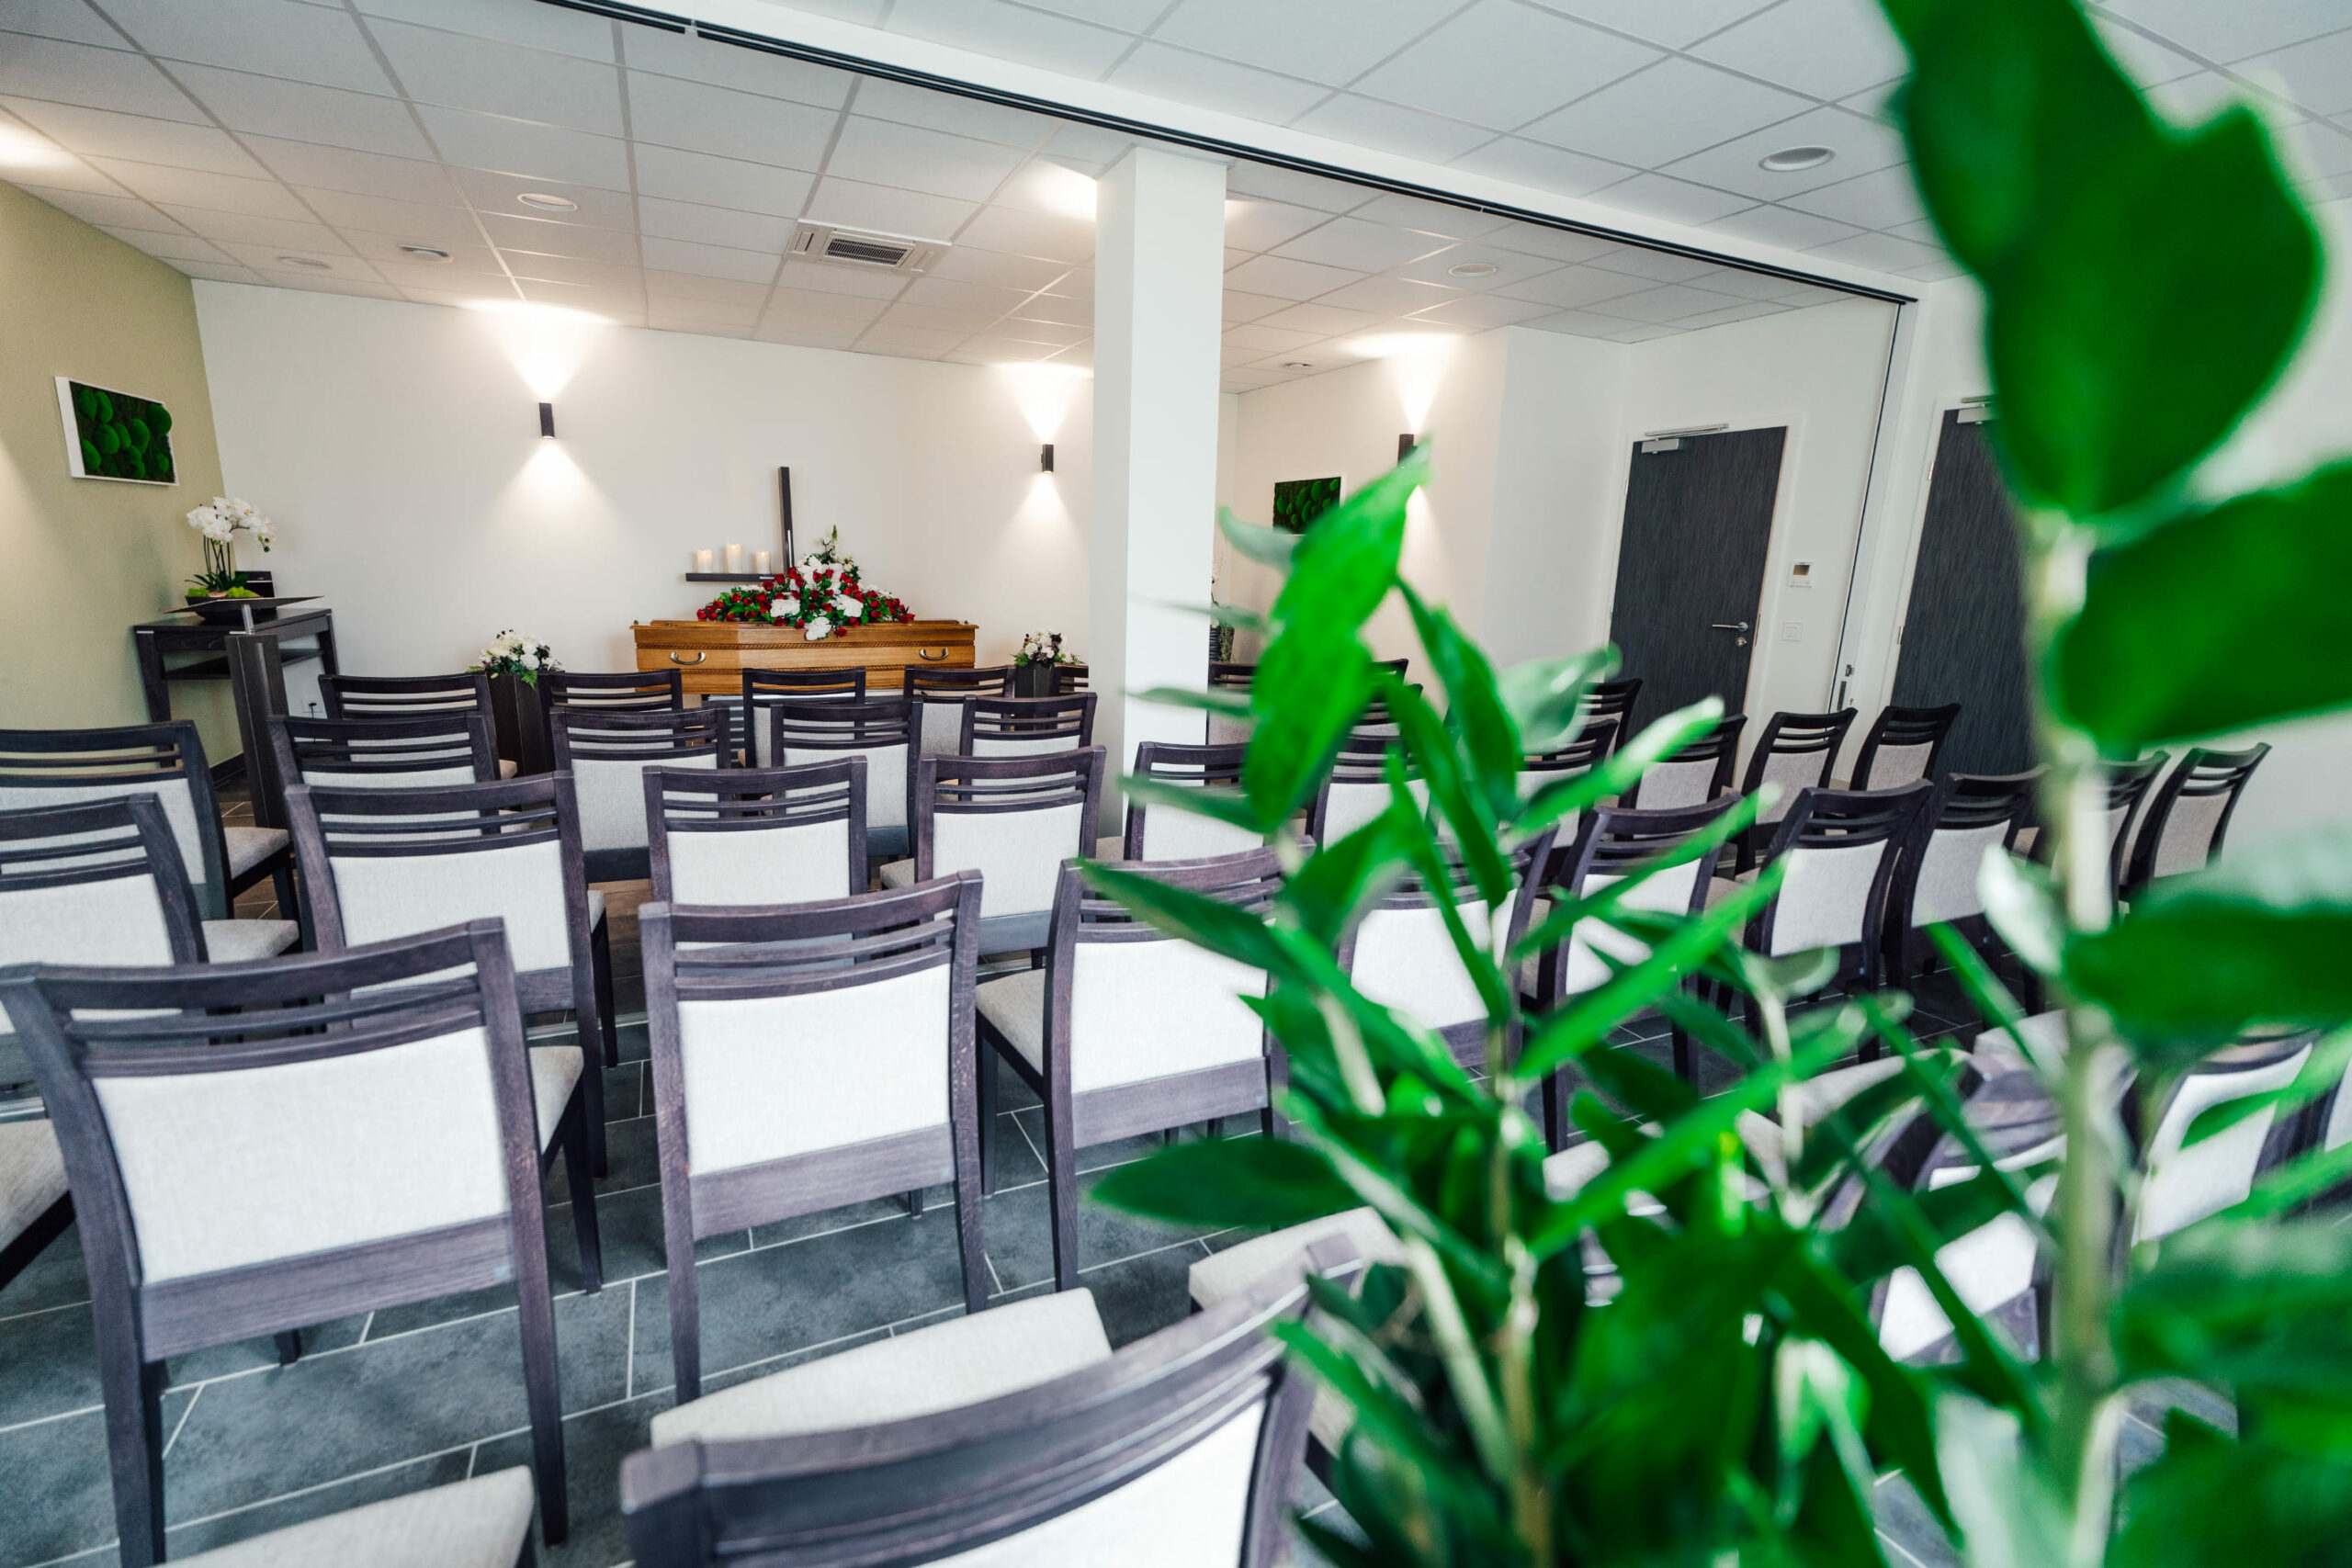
column 1731, row 626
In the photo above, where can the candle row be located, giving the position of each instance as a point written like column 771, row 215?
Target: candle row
column 703, row 562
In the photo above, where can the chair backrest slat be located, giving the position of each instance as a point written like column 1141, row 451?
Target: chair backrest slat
column 941, row 693
column 757, row 835
column 637, row 690
column 1840, row 847
column 446, row 747
column 824, row 729
column 1024, row 727
column 1610, row 844
column 65, row 767
column 1693, row 775
column 1013, row 819
column 1611, row 701
column 1902, row 745
column 405, row 697
column 763, row 688
column 1970, row 815
column 1797, row 750
column 607, row 751
column 97, row 883
column 2189, row 814
column 1156, row 833
column 1401, row 955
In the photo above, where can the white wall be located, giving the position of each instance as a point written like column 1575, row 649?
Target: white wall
column 398, row 447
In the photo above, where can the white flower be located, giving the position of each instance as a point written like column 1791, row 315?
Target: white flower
column 201, row 517
column 779, row 607
column 220, row 528
column 819, row 628
column 851, row 609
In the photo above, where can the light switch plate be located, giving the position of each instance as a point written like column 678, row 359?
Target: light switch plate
column 1791, row 631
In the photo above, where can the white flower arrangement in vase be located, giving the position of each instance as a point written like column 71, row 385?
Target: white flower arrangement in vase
column 512, row 653
column 220, row 521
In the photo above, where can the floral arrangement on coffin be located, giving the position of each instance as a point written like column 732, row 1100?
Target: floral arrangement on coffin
column 822, row 595
column 1042, row 648
column 512, row 653
column 220, row 521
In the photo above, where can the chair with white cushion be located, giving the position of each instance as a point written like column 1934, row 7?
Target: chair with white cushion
column 764, row 688
column 1400, row 955
column 481, row 1522
column 2184, row 1182
column 256, row 1146
column 1128, row 1030
column 824, row 729
column 1356, row 789
column 2128, row 785
column 383, row 864
column 608, row 755
column 757, row 835
column 1231, row 679
column 1693, row 775
column 1022, row 727
column 1013, row 819
column 62, row 767
column 1902, row 746
column 1970, row 816
column 942, row 693
column 364, row 753
column 403, row 697
column 1611, row 701
column 1796, row 751
column 620, row 691
column 2189, row 815
column 1017, row 1436
column 806, row 1057
column 1157, row 830
column 1540, row 770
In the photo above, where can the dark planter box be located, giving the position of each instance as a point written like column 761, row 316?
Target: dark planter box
column 1032, row 680
column 522, row 732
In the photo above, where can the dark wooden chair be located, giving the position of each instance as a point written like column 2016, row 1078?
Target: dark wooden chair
column 1013, row 819
column 1540, row 770
column 809, row 1057
column 1970, row 815
column 1156, row 832
column 1070, row 677
column 828, row 729
column 1796, row 751
column 1128, row 1030
column 742, row 836
column 607, row 752
column 51, row 767
column 1356, row 789
column 441, row 697
column 1611, row 701
column 763, row 688
column 2189, row 814
column 2128, row 784
column 1022, row 727
column 1016, row 1436
column 942, row 692
column 1693, row 775
column 626, row 691
column 1231, row 677
column 379, row 864
column 263, row 1145
column 364, row 753
column 1902, row 745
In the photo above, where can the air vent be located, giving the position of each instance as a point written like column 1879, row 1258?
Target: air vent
column 864, row 247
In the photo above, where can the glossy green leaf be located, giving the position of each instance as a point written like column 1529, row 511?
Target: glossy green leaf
column 1608, row 902
column 1207, row 922
column 1346, row 564
column 1202, row 800
column 1268, row 547
column 1340, row 879
column 2252, row 1305
column 2213, row 1498
column 1474, row 703
column 1546, row 697
column 2183, row 632
column 2022, row 906
column 1451, row 783
column 1212, row 699
column 1623, row 771
column 1267, row 1182
column 2010, row 1512
column 2322, row 1072
column 1308, row 691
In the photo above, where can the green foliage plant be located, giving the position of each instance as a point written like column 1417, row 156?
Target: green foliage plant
column 1730, row 1402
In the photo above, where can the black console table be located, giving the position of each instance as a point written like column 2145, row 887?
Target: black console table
column 251, row 652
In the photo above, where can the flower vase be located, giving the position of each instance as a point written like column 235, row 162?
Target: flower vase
column 1032, row 680
column 515, row 716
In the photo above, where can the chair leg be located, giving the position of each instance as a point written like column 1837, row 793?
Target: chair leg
column 1555, row 1113
column 601, row 944
column 134, row 1399
column 582, row 1185
column 542, row 1394
column 1061, row 1187
column 290, row 906
column 685, row 1306
column 987, row 1066
column 290, row 1347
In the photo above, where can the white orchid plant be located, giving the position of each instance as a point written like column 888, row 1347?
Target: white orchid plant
column 512, row 653
column 220, row 521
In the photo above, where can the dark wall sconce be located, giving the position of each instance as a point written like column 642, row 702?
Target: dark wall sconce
column 546, row 421
column 1405, row 445
column 1045, row 458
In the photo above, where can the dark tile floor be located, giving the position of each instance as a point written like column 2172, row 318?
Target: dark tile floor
column 432, row 1392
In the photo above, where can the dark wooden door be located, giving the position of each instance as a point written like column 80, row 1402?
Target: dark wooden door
column 1963, row 635
column 1690, row 567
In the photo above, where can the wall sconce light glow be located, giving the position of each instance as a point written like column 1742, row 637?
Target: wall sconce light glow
column 1063, row 191
column 1415, row 364
column 1045, row 392
column 545, row 342
column 23, row 150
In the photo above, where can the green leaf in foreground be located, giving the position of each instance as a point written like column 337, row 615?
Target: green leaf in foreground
column 1242, row 1182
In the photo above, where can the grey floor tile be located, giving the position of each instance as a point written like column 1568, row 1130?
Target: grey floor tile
column 1021, row 1241
column 594, row 1443
column 55, row 1498
column 394, row 1481
column 222, row 1361
column 1903, row 1520
column 1142, row 1295
column 53, row 1278
column 51, row 1364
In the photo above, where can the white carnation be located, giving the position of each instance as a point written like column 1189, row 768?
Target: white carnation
column 819, row 628
column 851, row 608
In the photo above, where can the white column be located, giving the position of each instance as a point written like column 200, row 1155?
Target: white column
column 1158, row 302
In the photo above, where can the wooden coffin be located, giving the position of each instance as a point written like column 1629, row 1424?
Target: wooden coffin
column 713, row 654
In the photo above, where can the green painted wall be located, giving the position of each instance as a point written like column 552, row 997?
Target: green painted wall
column 85, row 558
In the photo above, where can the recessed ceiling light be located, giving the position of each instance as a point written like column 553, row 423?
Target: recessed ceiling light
column 547, row 201
column 1471, row 269
column 1795, row 160
column 425, row 253
column 313, row 262
column 1298, row 365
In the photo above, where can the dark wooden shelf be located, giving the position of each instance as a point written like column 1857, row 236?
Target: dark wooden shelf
column 727, row 576
column 217, row 669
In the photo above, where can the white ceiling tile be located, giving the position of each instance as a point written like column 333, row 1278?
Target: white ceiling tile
column 1029, row 234
column 698, row 288
column 930, row 318
column 1331, row 41
column 339, row 168
column 2232, row 30
column 1510, row 266
column 1936, row 271
column 1478, row 313
column 1743, row 285
column 537, row 27
column 68, row 19
column 833, row 277
column 105, row 211
column 2142, row 57
column 608, row 276
column 501, row 78
column 1673, row 23
column 721, row 182
column 518, row 147
column 1264, row 339
column 1575, row 288
column 166, row 247
column 1860, row 145
column 733, row 125
column 490, row 192
column 883, row 152
column 95, row 78
column 1239, row 307
column 1674, row 108
column 1012, row 33
column 743, row 69
column 249, row 228
column 1782, row 226
column 1367, row 247
column 713, row 225
column 1089, row 145
column 274, row 258
column 1545, row 167
column 788, row 334
column 1430, row 217
column 278, row 37
column 195, row 187
column 2315, row 148
column 1368, row 122
column 1658, row 266
column 544, row 236
column 141, row 138
column 1669, row 302
column 969, row 263
column 1076, row 283
column 304, row 113
column 326, row 283
column 1500, row 64
column 888, row 210
column 950, row 294
column 1073, row 312
column 51, row 166
column 907, row 342
column 911, row 104
column 1000, row 349
column 1678, row 202
column 1048, row 185
column 1125, row 15
column 2317, row 75
column 2196, row 97
column 1883, row 251
column 219, row 274
column 1215, row 84
column 1299, row 189
column 1746, row 311
column 1330, row 320
column 1286, row 278
column 1644, row 332
column 1826, row 48
column 1557, row 244
column 1032, row 329
column 807, row 307
column 384, row 248
column 709, row 320
column 1872, row 201
column 1875, row 103
column 1386, row 296
column 463, row 282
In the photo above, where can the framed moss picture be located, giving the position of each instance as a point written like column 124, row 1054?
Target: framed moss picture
column 1298, row 503
column 114, row 436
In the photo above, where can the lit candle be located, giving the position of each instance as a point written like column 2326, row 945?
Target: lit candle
column 702, row 560
column 760, row 562
column 735, row 559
